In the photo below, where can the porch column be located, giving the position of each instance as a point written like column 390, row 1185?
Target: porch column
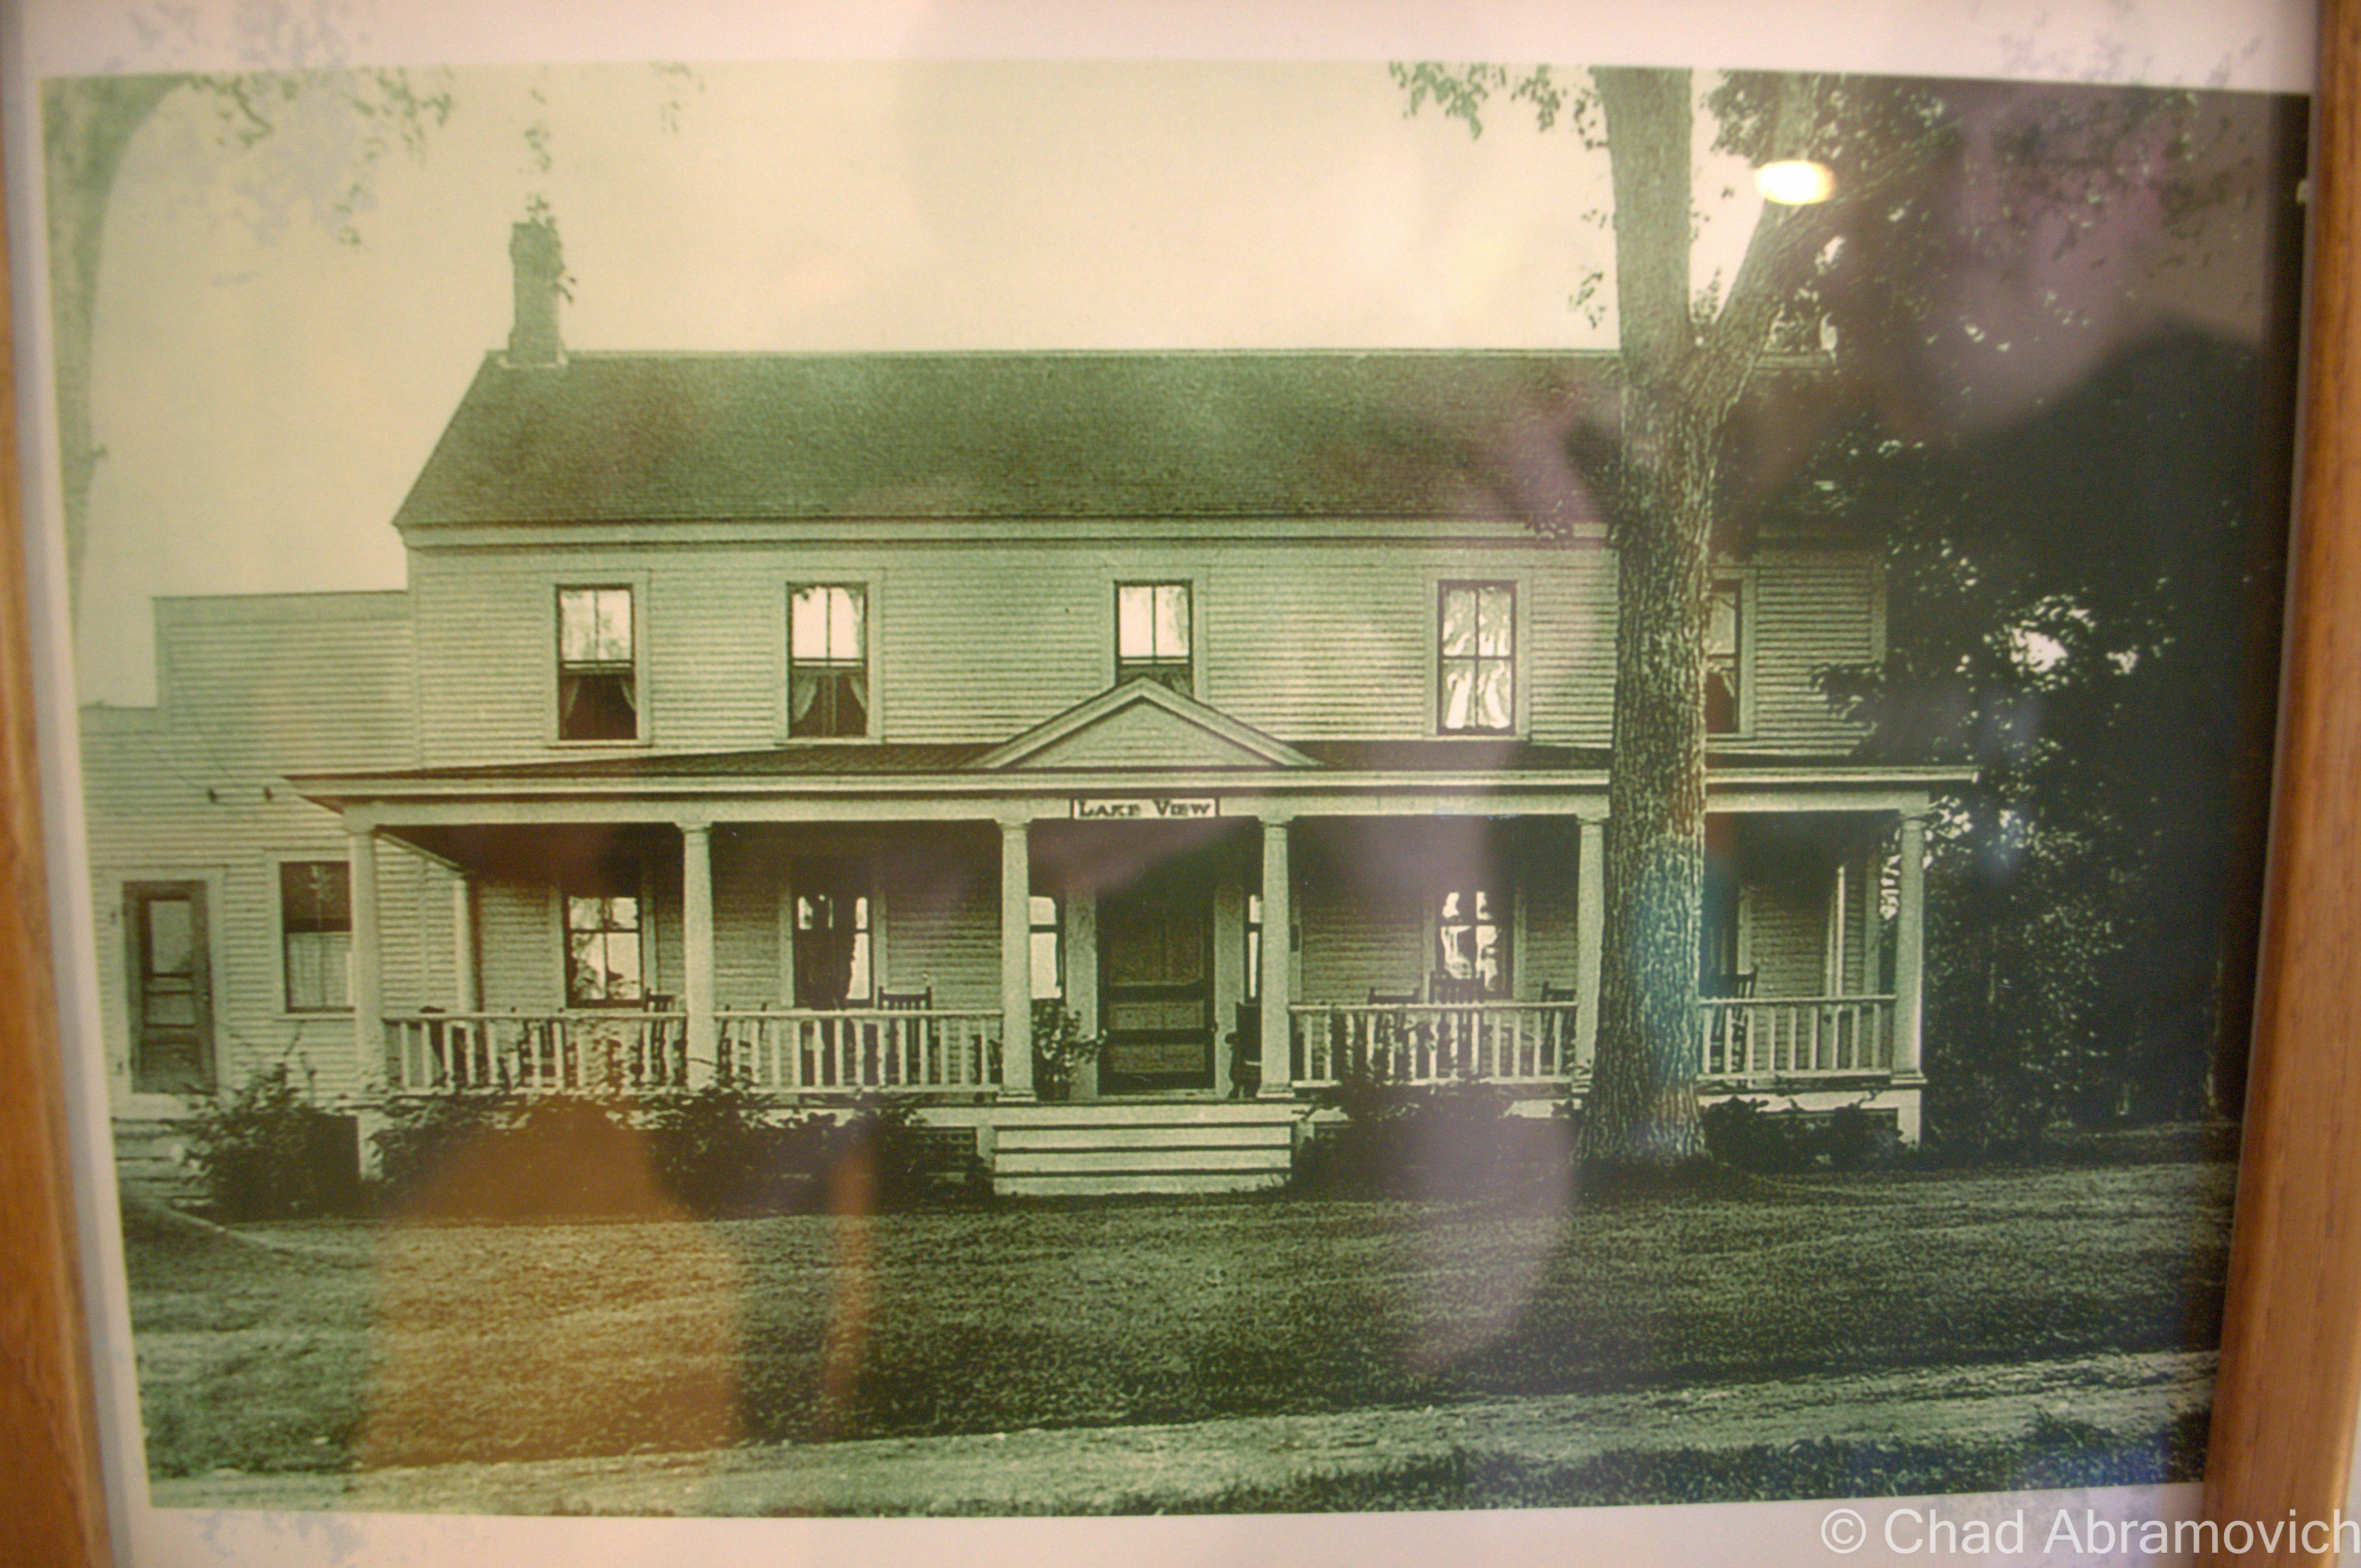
column 697, row 950
column 1910, row 946
column 1277, row 940
column 370, row 1040
column 467, row 980
column 1873, row 925
column 1590, row 935
column 1015, row 960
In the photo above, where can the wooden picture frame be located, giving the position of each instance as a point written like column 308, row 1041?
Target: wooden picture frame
column 2291, row 1371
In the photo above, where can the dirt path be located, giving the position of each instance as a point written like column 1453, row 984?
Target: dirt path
column 1093, row 1470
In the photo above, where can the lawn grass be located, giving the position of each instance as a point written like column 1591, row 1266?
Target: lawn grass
column 361, row 1344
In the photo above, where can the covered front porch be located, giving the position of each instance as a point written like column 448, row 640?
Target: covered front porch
column 816, row 959
column 822, row 922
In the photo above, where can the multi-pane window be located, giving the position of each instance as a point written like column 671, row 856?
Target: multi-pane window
column 827, row 660
column 833, row 946
column 598, row 677
column 604, row 958
column 1471, row 939
column 1047, row 934
column 315, row 926
column 1475, row 668
column 1722, row 709
column 1151, row 634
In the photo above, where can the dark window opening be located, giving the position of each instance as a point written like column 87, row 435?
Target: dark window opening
column 1477, row 659
column 833, row 932
column 1723, row 711
column 315, row 926
column 827, row 660
column 1151, row 635
column 597, row 679
column 1046, row 930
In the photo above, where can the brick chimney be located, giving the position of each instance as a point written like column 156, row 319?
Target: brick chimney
column 540, row 279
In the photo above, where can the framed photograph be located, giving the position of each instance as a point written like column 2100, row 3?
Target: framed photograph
column 937, row 783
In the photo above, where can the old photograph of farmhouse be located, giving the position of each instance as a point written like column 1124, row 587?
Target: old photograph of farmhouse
column 989, row 787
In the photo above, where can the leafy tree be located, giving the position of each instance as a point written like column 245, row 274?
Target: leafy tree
column 1963, row 238
column 2085, row 607
column 1685, row 364
column 88, row 124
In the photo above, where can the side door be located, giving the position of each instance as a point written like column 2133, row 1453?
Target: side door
column 171, row 998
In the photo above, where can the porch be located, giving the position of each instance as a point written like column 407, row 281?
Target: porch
column 1255, row 926
column 1760, row 1042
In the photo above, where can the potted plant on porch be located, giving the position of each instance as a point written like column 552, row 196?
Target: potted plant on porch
column 1060, row 1048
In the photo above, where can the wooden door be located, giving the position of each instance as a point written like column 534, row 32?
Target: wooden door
column 1155, row 985
column 170, row 999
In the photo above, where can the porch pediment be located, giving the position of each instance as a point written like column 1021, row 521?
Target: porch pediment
column 1142, row 725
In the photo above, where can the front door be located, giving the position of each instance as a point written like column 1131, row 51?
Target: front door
column 1156, row 986
column 171, row 1013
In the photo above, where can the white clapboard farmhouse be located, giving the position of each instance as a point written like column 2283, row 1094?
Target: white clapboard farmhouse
column 812, row 718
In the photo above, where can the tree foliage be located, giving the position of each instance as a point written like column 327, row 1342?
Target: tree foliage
column 1970, row 228
column 2083, row 608
column 1685, row 362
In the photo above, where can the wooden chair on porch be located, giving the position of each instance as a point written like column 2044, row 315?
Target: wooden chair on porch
column 1390, row 1032
column 1246, row 1052
column 1557, row 1030
column 912, row 1041
column 662, row 1055
column 1457, row 1035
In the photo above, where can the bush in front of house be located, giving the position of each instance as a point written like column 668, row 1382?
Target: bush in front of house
column 724, row 1150
column 1751, row 1136
column 1452, row 1141
column 268, row 1150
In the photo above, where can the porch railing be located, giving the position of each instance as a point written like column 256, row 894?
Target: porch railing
column 586, row 1052
column 1497, row 1042
column 1795, row 1037
column 862, row 1048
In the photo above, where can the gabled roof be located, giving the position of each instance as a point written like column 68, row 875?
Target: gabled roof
column 1142, row 724
column 673, row 437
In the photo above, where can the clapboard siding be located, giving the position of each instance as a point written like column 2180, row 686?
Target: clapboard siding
column 288, row 683
column 520, row 943
column 251, row 689
column 942, row 925
column 746, row 958
column 1548, row 872
column 980, row 639
column 1811, row 612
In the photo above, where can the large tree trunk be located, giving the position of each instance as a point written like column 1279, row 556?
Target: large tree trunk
column 1682, row 377
column 1642, row 1107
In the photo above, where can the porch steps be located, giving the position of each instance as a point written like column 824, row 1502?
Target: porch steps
column 151, row 1161
column 1129, row 1145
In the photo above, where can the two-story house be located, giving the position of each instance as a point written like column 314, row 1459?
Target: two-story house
column 809, row 719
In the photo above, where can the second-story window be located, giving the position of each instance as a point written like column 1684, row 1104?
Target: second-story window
column 1723, row 676
column 827, row 660
column 1151, row 635
column 597, row 675
column 1476, row 670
